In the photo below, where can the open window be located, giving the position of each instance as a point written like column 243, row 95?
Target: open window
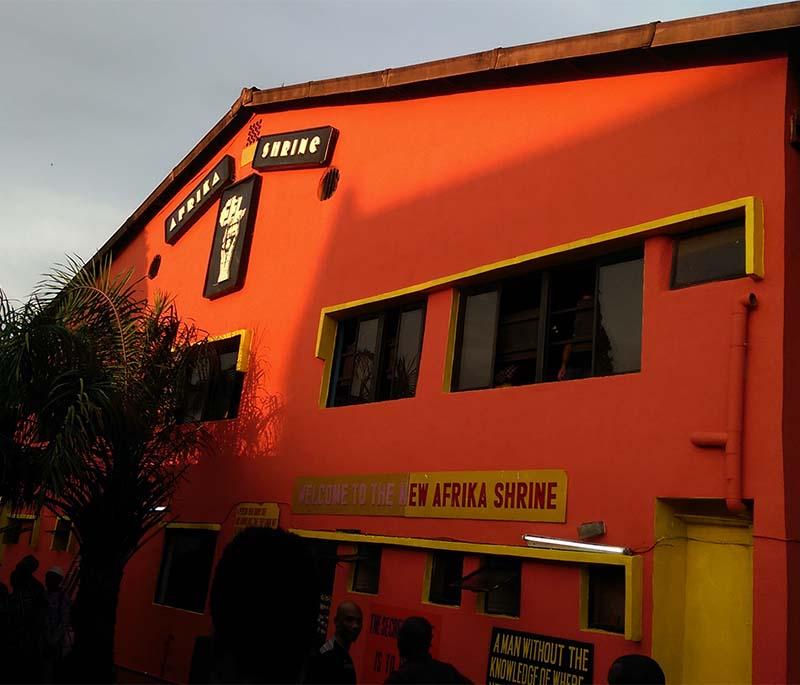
column 215, row 378
column 604, row 592
column 568, row 322
column 186, row 564
column 367, row 569
column 498, row 582
column 20, row 529
column 377, row 356
column 445, row 570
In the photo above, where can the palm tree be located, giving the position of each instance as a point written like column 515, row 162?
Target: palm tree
column 91, row 387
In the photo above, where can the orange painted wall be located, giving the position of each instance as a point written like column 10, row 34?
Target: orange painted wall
column 436, row 185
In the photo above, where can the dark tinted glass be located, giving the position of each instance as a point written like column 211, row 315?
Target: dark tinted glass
column 214, row 386
column 367, row 570
column 607, row 598
column 618, row 345
column 476, row 358
column 504, row 599
column 710, row 255
column 186, row 568
column 405, row 366
column 364, row 361
column 378, row 357
column 446, row 571
column 518, row 331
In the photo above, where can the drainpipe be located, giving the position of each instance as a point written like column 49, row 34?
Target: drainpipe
column 731, row 439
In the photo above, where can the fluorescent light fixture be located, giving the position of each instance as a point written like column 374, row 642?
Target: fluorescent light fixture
column 558, row 543
column 161, row 508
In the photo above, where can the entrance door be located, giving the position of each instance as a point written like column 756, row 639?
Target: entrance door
column 718, row 613
column 702, row 592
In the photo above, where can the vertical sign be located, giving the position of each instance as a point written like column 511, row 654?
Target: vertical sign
column 516, row 657
column 230, row 249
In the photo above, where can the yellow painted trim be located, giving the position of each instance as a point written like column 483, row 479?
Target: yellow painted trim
column 3, row 524
column 426, row 579
column 452, row 329
column 754, row 238
column 195, row 526
column 751, row 206
column 248, row 154
column 326, row 344
column 243, row 358
column 37, row 524
column 631, row 563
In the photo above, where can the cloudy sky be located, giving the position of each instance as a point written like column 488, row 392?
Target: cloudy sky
column 101, row 98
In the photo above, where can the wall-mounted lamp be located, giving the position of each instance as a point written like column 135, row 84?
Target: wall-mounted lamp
column 558, row 543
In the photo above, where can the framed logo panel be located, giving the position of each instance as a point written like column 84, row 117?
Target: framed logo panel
column 230, row 249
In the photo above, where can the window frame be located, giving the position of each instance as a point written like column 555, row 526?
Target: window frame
column 546, row 312
column 381, row 347
column 165, row 565
column 69, row 544
column 240, row 369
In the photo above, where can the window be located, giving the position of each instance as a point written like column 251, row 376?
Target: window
column 712, row 254
column 13, row 530
column 367, row 569
column 214, row 382
column 61, row 535
column 446, row 569
column 498, row 581
column 571, row 322
column 377, row 356
column 186, row 568
column 606, row 600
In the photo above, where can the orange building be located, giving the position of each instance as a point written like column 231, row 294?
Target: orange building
column 476, row 311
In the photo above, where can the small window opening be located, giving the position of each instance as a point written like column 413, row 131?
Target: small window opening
column 328, row 184
column 367, row 569
column 214, row 384
column 498, row 580
column 447, row 568
column 606, row 609
column 186, row 568
column 155, row 265
column 713, row 254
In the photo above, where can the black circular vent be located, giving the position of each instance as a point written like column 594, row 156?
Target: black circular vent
column 327, row 186
column 155, row 265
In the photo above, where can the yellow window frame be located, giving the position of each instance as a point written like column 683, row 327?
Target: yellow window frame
column 750, row 208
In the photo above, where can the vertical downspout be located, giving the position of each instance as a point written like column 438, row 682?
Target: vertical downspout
column 731, row 439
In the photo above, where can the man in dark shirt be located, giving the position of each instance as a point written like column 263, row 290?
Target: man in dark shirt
column 332, row 662
column 416, row 663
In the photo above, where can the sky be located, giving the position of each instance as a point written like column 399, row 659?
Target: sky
column 102, row 98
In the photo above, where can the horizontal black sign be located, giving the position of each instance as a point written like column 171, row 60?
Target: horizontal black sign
column 230, row 249
column 312, row 147
column 192, row 206
column 516, row 657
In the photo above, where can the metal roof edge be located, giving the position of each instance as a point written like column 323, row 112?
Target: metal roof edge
column 718, row 26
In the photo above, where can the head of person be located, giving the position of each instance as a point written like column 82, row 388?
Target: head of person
column 264, row 604
column 414, row 638
column 28, row 565
column 636, row 668
column 348, row 622
column 53, row 578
